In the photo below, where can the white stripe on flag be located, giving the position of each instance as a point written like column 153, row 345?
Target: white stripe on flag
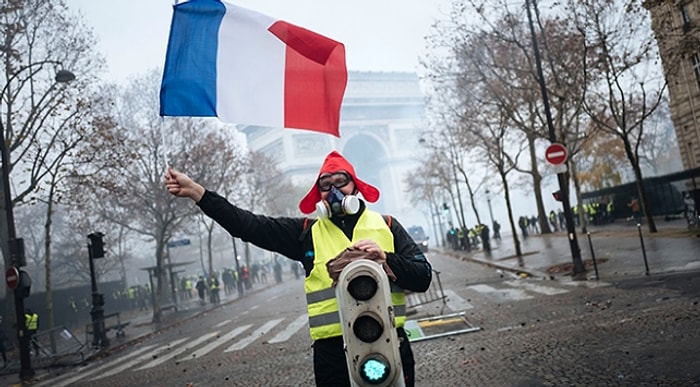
column 254, row 60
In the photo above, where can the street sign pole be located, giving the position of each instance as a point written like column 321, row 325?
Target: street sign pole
column 578, row 268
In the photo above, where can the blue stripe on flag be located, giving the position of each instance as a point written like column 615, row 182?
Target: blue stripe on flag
column 189, row 77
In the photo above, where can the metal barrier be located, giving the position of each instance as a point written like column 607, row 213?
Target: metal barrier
column 57, row 346
column 415, row 300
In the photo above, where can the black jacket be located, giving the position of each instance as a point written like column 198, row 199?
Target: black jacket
column 291, row 237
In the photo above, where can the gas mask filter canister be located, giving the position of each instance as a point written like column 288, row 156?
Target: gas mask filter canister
column 338, row 204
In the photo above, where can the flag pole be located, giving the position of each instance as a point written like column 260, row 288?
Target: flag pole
column 163, row 144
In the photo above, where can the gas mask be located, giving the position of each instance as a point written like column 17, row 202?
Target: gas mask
column 338, row 203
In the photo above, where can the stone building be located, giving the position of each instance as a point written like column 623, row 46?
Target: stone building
column 382, row 119
column 676, row 24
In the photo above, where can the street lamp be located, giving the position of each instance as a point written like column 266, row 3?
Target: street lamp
column 16, row 245
column 488, row 200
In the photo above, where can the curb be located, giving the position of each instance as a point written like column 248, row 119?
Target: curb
column 519, row 270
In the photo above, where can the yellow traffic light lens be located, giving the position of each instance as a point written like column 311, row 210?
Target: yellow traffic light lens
column 362, row 288
column 367, row 328
column 375, row 369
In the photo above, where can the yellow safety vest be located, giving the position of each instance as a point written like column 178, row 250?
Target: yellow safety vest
column 32, row 321
column 329, row 241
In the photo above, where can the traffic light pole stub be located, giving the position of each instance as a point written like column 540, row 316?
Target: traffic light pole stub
column 366, row 314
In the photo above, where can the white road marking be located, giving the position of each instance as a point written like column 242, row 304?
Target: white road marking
column 585, row 284
column 501, row 294
column 218, row 342
column 455, row 302
column 290, row 329
column 138, row 360
column 82, row 373
column 253, row 336
column 177, row 352
column 536, row 288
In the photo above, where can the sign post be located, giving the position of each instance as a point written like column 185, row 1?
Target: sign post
column 173, row 285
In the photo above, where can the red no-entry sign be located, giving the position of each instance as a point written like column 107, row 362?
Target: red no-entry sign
column 556, row 154
column 12, row 277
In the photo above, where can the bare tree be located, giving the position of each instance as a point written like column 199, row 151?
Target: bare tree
column 632, row 85
column 40, row 116
column 131, row 193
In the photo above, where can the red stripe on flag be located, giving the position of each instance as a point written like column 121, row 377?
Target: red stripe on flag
column 315, row 79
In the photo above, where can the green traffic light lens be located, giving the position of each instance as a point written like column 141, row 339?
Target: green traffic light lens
column 375, row 369
column 362, row 288
column 367, row 328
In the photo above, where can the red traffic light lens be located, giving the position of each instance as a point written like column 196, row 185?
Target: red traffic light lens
column 367, row 328
column 362, row 288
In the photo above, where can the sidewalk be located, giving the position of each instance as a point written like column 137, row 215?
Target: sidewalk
column 140, row 327
column 617, row 248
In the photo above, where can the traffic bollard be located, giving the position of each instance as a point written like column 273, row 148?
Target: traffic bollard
column 644, row 252
column 595, row 265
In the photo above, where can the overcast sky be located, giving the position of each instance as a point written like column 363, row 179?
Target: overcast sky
column 379, row 35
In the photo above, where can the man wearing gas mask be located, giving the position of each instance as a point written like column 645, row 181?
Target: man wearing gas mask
column 343, row 223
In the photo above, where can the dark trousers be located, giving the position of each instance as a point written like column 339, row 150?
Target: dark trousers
column 331, row 369
column 32, row 340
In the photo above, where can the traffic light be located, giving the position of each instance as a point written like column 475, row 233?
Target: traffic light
column 96, row 245
column 557, row 195
column 367, row 320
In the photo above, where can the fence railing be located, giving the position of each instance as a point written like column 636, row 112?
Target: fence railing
column 434, row 294
column 58, row 346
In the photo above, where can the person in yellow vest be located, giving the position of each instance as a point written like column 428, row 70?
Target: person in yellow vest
column 214, row 289
column 342, row 221
column 31, row 321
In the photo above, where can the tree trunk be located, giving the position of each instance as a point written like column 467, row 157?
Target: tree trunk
column 10, row 318
column 639, row 180
column 47, row 261
column 210, row 254
column 537, row 186
column 159, row 273
column 513, row 229
column 577, row 187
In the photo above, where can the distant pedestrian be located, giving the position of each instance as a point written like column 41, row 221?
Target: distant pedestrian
column 636, row 209
column 553, row 220
column 485, row 239
column 533, row 225
column 496, row 230
column 229, row 281
column 201, row 288
column 562, row 219
column 277, row 269
column 522, row 223
column 31, row 321
column 214, row 290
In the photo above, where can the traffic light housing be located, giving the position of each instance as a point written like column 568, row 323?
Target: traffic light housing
column 557, row 195
column 96, row 245
column 367, row 320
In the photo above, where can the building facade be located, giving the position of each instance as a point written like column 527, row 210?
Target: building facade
column 676, row 25
column 382, row 119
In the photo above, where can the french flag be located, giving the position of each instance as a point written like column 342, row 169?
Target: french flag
column 248, row 68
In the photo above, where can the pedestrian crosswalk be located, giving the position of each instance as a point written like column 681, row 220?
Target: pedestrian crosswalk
column 504, row 291
column 524, row 289
column 227, row 336
column 183, row 349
